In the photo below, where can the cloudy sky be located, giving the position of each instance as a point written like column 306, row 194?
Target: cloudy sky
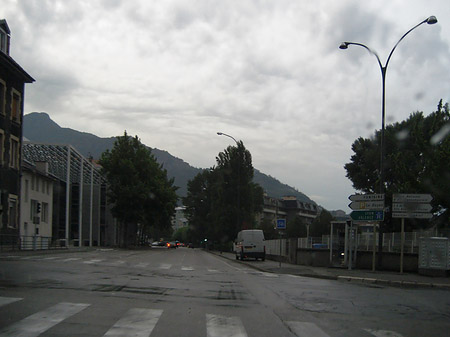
column 267, row 72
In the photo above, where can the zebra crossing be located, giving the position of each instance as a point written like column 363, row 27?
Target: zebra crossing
column 141, row 322
column 141, row 265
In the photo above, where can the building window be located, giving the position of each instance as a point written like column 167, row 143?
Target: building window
column 13, row 212
column 15, row 107
column 33, row 207
column 14, row 153
column 32, row 183
column 44, row 212
column 3, row 41
column 43, row 186
column 2, row 146
column 37, row 184
column 2, row 97
column 26, row 190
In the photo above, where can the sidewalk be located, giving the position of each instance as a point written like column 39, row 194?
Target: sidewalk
column 407, row 280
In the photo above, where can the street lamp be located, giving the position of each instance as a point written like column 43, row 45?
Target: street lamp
column 344, row 45
column 239, row 179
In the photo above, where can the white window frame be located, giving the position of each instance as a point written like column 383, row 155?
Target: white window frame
column 15, row 92
column 2, row 146
column 15, row 199
column 14, row 156
column 3, row 94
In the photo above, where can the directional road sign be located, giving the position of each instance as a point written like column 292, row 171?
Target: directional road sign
column 411, row 198
column 366, row 197
column 367, row 205
column 412, row 215
column 367, row 215
column 281, row 223
column 411, row 207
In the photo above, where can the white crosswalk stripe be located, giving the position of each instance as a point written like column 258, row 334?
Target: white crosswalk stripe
column 224, row 326
column 383, row 333
column 187, row 268
column 137, row 322
column 8, row 300
column 142, row 265
column 306, row 329
column 71, row 259
column 41, row 321
column 93, row 261
column 165, row 266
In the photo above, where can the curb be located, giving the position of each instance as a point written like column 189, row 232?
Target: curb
column 403, row 284
column 352, row 279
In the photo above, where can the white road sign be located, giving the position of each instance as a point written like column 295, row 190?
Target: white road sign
column 412, row 215
column 412, row 198
column 366, row 197
column 411, row 207
column 367, row 205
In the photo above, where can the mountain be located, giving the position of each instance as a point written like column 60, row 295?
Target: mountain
column 40, row 128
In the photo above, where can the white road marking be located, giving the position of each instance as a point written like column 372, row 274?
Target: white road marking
column 92, row 261
column 306, row 329
column 138, row 322
column 223, row 326
column 383, row 333
column 165, row 266
column 213, row 270
column 72, row 259
column 187, row 268
column 269, row 274
column 8, row 300
column 50, row 258
column 40, row 322
column 141, row 265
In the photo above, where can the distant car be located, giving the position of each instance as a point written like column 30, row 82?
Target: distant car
column 155, row 244
column 190, row 245
column 171, row 244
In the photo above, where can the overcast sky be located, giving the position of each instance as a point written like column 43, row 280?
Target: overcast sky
column 267, row 72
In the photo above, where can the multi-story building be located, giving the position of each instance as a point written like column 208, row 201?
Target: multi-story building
column 12, row 85
column 36, row 206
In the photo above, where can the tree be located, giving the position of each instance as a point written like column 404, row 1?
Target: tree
column 224, row 200
column 321, row 224
column 138, row 188
column 416, row 158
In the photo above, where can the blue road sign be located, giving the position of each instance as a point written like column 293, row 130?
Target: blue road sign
column 281, row 223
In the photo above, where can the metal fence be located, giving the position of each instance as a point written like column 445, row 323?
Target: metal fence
column 364, row 242
column 10, row 242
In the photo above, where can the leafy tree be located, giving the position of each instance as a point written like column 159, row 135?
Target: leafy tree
column 417, row 157
column 321, row 224
column 138, row 188
column 296, row 227
column 224, row 200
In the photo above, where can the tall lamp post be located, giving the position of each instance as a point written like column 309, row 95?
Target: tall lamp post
column 239, row 180
column 344, row 45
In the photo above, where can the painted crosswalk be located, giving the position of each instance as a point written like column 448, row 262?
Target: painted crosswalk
column 141, row 322
column 41, row 321
column 137, row 322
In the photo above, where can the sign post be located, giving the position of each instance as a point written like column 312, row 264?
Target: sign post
column 412, row 206
column 368, row 207
column 281, row 224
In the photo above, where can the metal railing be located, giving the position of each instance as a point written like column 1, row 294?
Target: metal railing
column 11, row 242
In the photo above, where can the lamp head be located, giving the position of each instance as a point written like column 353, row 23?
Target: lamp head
column 344, row 45
column 220, row 133
column 432, row 20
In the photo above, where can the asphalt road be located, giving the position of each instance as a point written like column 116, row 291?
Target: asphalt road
column 189, row 292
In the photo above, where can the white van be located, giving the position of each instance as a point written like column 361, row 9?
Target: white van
column 250, row 243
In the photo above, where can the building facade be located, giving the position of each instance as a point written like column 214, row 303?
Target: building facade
column 36, row 206
column 12, row 85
